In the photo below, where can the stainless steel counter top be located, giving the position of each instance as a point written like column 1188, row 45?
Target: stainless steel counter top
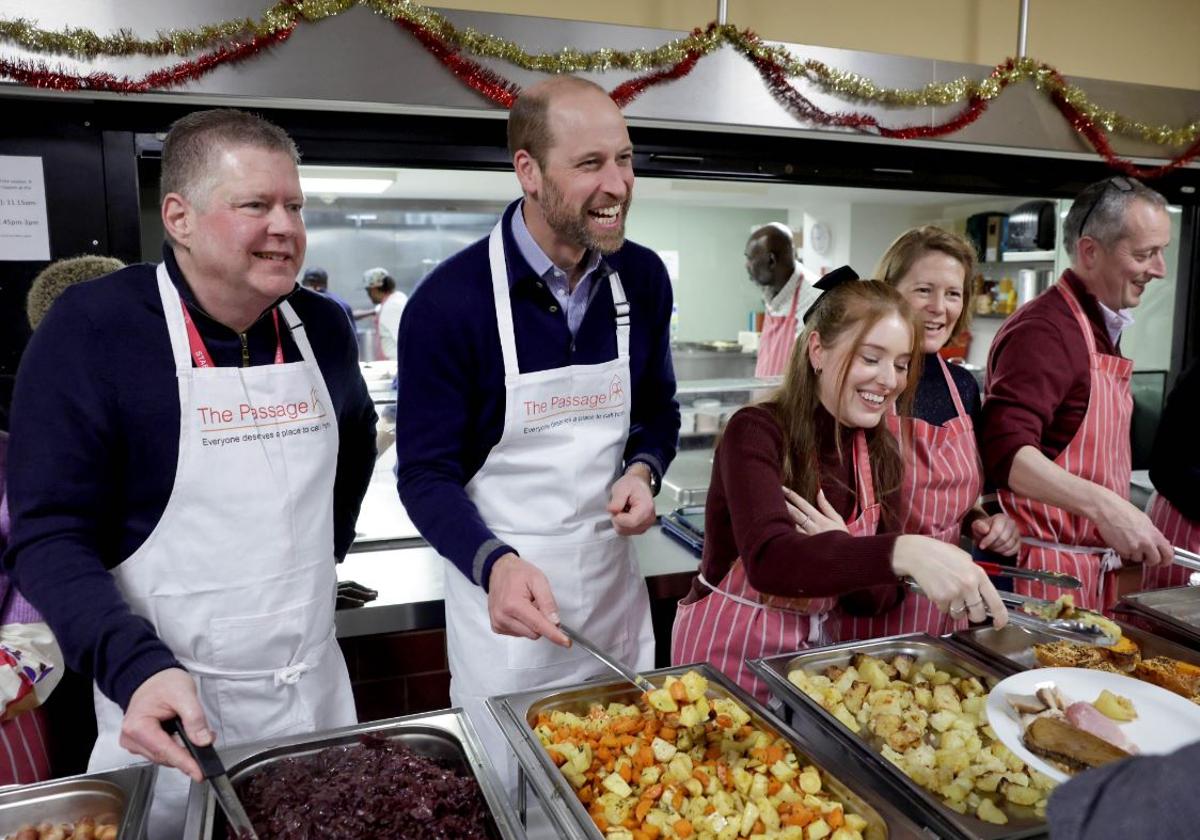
column 410, row 585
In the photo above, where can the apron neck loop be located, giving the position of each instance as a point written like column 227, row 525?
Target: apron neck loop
column 199, row 351
column 954, row 395
column 862, row 471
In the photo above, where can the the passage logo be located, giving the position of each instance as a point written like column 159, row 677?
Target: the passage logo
column 574, row 407
column 248, row 415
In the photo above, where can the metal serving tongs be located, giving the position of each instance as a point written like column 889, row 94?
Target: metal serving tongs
column 1187, row 559
column 1063, row 581
column 214, row 771
column 618, row 666
column 1062, row 628
column 1067, row 629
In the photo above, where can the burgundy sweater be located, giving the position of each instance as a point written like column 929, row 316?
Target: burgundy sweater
column 1038, row 379
column 746, row 516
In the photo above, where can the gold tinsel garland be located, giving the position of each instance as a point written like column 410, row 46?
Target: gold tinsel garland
column 84, row 43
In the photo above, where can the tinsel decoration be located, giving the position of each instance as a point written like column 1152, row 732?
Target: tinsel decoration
column 38, row 74
column 240, row 38
column 475, row 76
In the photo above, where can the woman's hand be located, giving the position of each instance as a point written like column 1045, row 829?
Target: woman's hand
column 997, row 533
column 949, row 578
column 811, row 519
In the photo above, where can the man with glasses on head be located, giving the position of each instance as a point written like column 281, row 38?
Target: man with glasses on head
column 1055, row 426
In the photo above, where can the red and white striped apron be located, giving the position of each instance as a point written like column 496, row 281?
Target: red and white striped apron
column 23, row 755
column 735, row 622
column 1055, row 540
column 1181, row 532
column 943, row 476
column 777, row 339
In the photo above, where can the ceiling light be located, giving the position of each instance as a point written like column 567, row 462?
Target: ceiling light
column 345, row 186
column 361, row 217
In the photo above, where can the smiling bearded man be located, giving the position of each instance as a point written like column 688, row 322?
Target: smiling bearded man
column 537, row 412
column 212, row 439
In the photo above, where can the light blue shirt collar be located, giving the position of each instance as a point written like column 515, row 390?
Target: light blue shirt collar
column 535, row 256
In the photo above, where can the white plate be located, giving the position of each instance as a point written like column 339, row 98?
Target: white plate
column 1165, row 721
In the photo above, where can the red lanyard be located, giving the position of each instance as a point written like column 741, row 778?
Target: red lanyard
column 200, row 352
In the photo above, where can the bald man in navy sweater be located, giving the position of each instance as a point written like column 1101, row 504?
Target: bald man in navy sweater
column 537, row 410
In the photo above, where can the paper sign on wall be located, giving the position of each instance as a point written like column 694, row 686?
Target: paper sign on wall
column 24, row 233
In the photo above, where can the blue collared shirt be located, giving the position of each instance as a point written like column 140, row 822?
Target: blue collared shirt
column 573, row 303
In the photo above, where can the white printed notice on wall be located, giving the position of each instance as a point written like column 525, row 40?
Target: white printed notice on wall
column 24, row 234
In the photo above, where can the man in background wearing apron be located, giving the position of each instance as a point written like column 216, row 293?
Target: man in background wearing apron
column 1055, row 426
column 537, row 412
column 191, row 443
column 787, row 290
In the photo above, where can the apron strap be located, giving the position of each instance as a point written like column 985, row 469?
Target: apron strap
column 172, row 305
column 862, row 471
column 285, row 675
column 954, row 395
column 500, row 293
column 1084, row 325
column 621, row 307
column 299, row 335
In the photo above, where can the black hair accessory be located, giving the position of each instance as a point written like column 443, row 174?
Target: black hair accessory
column 828, row 283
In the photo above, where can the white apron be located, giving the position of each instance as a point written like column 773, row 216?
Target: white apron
column 238, row 576
column 543, row 489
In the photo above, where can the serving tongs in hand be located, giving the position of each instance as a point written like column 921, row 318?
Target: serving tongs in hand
column 1068, row 629
column 1063, row 628
column 618, row 666
column 1058, row 579
column 214, row 771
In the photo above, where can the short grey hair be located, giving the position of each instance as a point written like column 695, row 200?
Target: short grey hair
column 194, row 141
column 1101, row 209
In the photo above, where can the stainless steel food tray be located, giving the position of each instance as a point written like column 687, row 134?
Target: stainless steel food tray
column 125, row 791
column 849, row 780
column 446, row 736
column 947, row 657
column 1013, row 646
column 1174, row 611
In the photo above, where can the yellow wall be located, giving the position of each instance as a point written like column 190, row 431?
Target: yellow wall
column 1146, row 41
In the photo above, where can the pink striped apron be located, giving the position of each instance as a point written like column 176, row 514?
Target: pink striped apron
column 943, row 477
column 1181, row 532
column 735, row 622
column 777, row 339
column 1055, row 540
column 24, row 758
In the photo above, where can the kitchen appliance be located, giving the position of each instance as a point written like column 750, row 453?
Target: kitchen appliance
column 1031, row 227
column 986, row 231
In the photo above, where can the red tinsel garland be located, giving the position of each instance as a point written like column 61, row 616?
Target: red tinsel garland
column 497, row 89
column 626, row 92
column 38, row 74
column 474, row 75
column 1099, row 141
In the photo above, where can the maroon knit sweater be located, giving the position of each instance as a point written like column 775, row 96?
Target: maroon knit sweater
column 1039, row 379
column 746, row 516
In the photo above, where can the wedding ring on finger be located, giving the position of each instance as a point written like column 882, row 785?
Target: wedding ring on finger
column 959, row 610
column 973, row 604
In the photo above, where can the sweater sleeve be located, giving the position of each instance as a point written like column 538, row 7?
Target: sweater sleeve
column 1123, row 799
column 654, row 414
column 1175, row 461
column 65, row 415
column 436, row 376
column 780, row 560
column 1030, row 372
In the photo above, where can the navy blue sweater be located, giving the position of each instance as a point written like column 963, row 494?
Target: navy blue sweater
column 933, row 402
column 95, row 441
column 451, row 380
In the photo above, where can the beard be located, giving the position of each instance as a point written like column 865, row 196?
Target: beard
column 572, row 226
